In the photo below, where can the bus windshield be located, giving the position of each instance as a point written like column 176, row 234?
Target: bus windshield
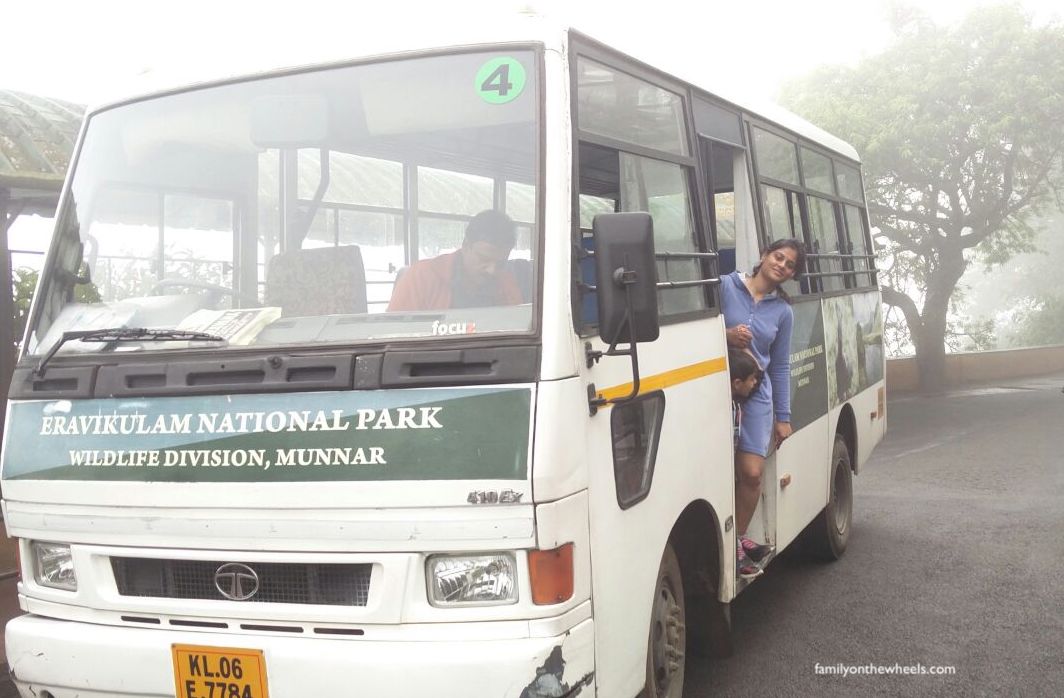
column 370, row 202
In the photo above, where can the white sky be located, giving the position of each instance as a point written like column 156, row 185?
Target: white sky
column 94, row 51
column 91, row 51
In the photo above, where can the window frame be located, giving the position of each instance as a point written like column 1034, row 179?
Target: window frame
column 654, row 440
column 245, row 215
column 410, row 211
column 853, row 279
column 584, row 47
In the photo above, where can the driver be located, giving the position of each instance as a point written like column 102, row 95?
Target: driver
column 475, row 275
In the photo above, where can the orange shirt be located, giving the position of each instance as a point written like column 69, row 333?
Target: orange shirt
column 428, row 285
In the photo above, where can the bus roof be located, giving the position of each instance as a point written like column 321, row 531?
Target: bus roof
column 424, row 36
column 680, row 69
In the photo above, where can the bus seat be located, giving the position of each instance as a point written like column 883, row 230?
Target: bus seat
column 726, row 259
column 317, row 281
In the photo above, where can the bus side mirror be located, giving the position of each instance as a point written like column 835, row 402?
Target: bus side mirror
column 626, row 277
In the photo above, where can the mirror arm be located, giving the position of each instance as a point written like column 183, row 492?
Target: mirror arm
column 625, row 278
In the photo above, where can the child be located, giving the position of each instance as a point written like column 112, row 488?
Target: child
column 745, row 375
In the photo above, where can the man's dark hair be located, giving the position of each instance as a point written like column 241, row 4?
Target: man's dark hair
column 742, row 365
column 492, row 226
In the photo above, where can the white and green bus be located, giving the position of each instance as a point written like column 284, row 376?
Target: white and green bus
column 233, row 471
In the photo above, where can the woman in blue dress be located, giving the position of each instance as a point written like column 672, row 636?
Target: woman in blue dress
column 758, row 318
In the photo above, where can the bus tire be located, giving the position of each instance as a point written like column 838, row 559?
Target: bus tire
column 666, row 645
column 827, row 536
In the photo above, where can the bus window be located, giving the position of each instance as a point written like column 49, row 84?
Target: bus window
column 816, row 170
column 443, row 191
column 826, row 244
column 776, row 157
column 849, row 181
column 195, row 203
column 855, row 229
column 198, row 239
column 726, row 167
column 783, row 219
column 635, row 427
column 660, row 188
column 171, row 238
column 624, row 108
column 380, row 235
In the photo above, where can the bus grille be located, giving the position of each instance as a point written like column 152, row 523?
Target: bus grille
column 322, row 584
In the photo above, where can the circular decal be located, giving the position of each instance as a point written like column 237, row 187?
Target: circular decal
column 500, row 80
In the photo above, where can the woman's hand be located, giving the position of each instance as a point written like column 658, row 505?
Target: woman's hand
column 783, row 432
column 739, row 336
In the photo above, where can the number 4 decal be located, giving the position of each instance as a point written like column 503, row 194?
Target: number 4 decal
column 500, row 80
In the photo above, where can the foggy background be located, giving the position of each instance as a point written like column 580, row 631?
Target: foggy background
column 793, row 53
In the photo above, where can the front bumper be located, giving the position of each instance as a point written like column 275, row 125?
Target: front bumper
column 86, row 660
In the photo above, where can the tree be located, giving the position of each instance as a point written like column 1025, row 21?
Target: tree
column 1023, row 296
column 24, row 284
column 962, row 139
column 1039, row 323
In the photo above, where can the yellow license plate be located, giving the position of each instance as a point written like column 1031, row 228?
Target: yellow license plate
column 219, row 672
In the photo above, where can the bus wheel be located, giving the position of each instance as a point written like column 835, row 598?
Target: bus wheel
column 666, row 649
column 829, row 532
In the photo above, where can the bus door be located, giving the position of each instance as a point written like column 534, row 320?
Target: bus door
column 731, row 211
column 653, row 455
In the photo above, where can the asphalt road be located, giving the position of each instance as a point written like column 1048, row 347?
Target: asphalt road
column 956, row 559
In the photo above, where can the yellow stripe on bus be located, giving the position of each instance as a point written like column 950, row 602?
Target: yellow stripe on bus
column 667, row 379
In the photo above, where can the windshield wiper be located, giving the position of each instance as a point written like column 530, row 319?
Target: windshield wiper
column 125, row 334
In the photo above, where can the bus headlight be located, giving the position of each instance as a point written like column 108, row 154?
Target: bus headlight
column 53, row 566
column 472, row 580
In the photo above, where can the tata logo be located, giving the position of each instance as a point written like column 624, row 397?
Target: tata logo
column 236, row 581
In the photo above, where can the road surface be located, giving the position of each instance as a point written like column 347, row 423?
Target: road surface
column 956, row 561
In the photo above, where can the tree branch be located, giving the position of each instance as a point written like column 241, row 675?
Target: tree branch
column 905, row 242
column 906, row 305
column 929, row 220
column 992, row 223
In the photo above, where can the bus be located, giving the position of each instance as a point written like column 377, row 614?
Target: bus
column 235, row 467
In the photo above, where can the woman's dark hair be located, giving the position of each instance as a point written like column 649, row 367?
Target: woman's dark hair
column 799, row 263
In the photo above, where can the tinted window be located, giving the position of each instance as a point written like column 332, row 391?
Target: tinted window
column 783, row 218
column 858, row 243
column 776, row 157
column 718, row 123
column 661, row 189
column 300, row 196
column 619, row 106
column 617, row 181
column 817, row 171
column 849, row 180
column 635, row 427
column 826, row 242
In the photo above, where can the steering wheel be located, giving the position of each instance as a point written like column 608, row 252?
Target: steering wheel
column 214, row 291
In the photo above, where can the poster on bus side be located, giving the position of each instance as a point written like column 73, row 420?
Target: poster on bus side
column 808, row 369
column 853, row 335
